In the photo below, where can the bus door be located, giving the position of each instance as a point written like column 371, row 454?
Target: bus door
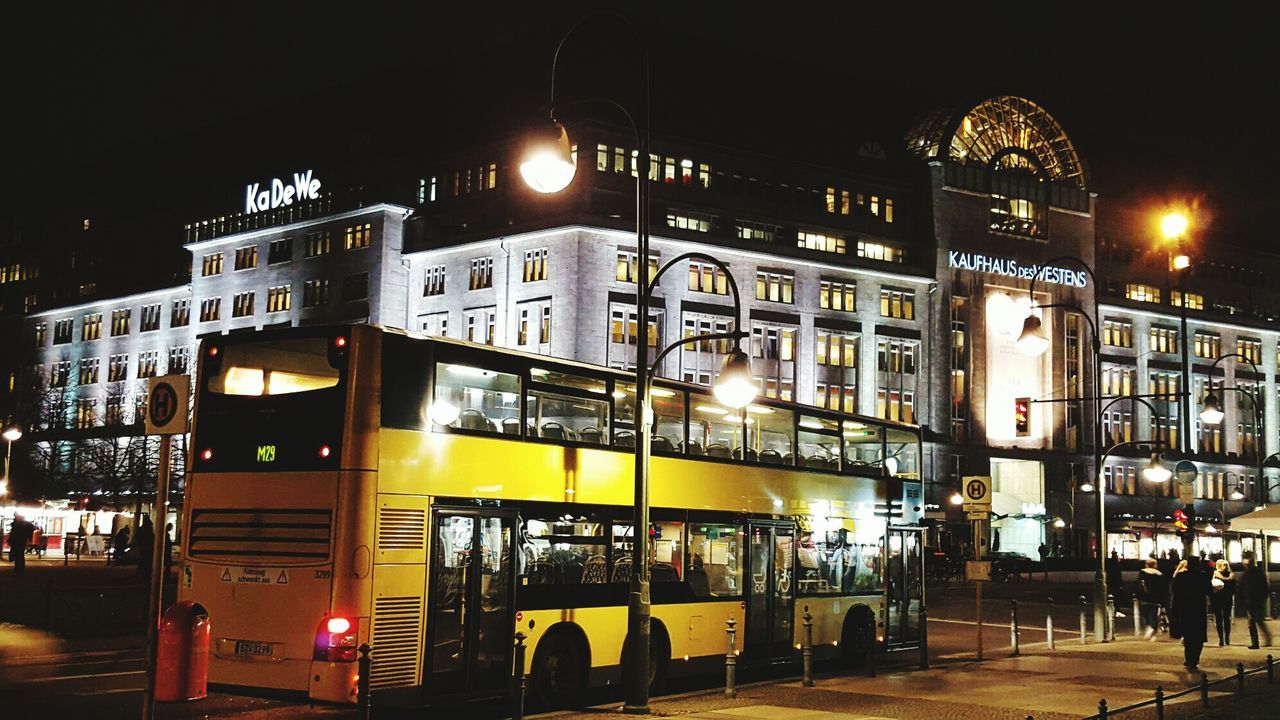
column 904, row 586
column 470, row 601
column 770, row 600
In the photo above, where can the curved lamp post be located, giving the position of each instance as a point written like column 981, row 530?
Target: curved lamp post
column 1033, row 341
column 11, row 434
column 548, row 167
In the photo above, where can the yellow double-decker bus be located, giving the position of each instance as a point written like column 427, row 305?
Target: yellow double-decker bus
column 432, row 497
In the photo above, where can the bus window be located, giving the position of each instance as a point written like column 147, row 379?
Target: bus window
column 818, row 443
column 714, row 570
column 567, row 417
column 666, row 551
column 668, row 414
column 769, row 430
column 568, row 550
column 471, row 398
column 717, row 429
column 903, row 456
column 863, row 446
column 828, row 557
column 276, row 367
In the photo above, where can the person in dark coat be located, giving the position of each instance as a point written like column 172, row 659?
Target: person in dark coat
column 143, row 543
column 1224, row 596
column 1152, row 594
column 20, row 534
column 1254, row 591
column 1188, row 611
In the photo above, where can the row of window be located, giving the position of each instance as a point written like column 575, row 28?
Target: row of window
column 118, row 367
column 809, row 240
column 317, row 243
column 121, row 323
column 1119, row 333
column 1139, row 292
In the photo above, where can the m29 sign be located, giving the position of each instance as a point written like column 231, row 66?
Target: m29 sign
column 279, row 193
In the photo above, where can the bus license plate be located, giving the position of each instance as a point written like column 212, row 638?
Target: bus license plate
column 247, row 647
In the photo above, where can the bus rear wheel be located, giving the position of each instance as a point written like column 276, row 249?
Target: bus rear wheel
column 559, row 674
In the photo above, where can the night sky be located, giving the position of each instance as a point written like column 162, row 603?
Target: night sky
column 1172, row 104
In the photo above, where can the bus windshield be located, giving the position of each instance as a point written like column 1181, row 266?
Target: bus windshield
column 280, row 367
column 272, row 404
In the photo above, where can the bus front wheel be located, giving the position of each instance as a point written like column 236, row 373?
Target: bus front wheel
column 559, row 674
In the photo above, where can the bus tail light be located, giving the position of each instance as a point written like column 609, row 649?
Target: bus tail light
column 336, row 640
column 325, row 451
column 206, row 454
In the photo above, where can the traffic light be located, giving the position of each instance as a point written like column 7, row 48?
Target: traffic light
column 1184, row 522
column 1022, row 416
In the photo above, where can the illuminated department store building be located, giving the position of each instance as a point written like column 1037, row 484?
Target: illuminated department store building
column 893, row 283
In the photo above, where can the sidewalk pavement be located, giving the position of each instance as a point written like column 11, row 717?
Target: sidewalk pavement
column 1058, row 685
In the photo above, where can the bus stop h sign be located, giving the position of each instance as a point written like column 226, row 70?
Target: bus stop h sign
column 167, row 404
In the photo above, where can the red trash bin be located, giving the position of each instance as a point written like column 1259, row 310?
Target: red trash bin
column 182, row 659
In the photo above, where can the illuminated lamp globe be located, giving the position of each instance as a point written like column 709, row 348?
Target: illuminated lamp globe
column 1059, row 523
column 444, row 412
column 13, row 433
column 1237, row 493
column 1086, row 486
column 735, row 387
column 891, row 466
column 1032, row 341
column 1155, row 471
column 1173, row 225
column 1212, row 413
column 957, row 498
column 547, row 165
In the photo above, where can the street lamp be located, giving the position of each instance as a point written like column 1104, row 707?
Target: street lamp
column 11, row 434
column 1032, row 341
column 548, row 167
column 1212, row 413
column 1155, row 471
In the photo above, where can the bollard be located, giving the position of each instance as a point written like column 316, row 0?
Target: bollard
column 1084, row 620
column 1013, row 627
column 1137, row 618
column 1204, row 689
column 363, row 700
column 1271, row 675
column 1159, row 702
column 1102, row 709
column 730, row 661
column 1240, row 678
column 1048, row 626
column 807, row 651
column 1109, row 631
column 518, row 680
column 924, row 637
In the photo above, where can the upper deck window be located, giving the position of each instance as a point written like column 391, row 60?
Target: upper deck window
column 279, row 367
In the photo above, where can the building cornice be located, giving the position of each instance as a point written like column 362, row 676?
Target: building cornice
column 120, row 300
column 277, row 229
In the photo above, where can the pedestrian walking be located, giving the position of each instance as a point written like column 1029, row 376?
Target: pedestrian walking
column 1188, row 611
column 1254, row 591
column 1153, row 596
column 20, row 534
column 143, row 542
column 1224, row 596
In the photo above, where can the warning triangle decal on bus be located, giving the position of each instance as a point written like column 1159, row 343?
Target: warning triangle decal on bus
column 283, row 579
column 226, row 575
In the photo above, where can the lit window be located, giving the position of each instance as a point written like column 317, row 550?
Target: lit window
column 1163, row 340
column 1142, row 293
column 481, row 273
column 180, row 313
column 92, row 327
column 817, row 241
column 760, row 232
column 837, row 296
column 1208, row 345
column 1117, row 333
column 150, row 317
column 896, row 303
column 626, row 270
column 212, row 265
column 880, row 251
column 775, row 287
column 118, row 367
column 1194, row 301
column 708, row 278
column 210, row 309
column 279, row 298
column 535, row 265
column 120, row 322
column 246, row 258
column 148, row 362
column 242, row 305
column 696, row 222
column 318, row 243
column 433, row 281
column 357, row 237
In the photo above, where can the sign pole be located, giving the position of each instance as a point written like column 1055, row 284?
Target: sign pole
column 155, row 598
column 977, row 555
column 167, row 404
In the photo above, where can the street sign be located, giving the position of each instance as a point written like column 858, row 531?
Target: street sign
column 978, row 514
column 167, row 404
column 1186, row 472
column 1186, row 493
column 976, row 489
column 979, row 570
